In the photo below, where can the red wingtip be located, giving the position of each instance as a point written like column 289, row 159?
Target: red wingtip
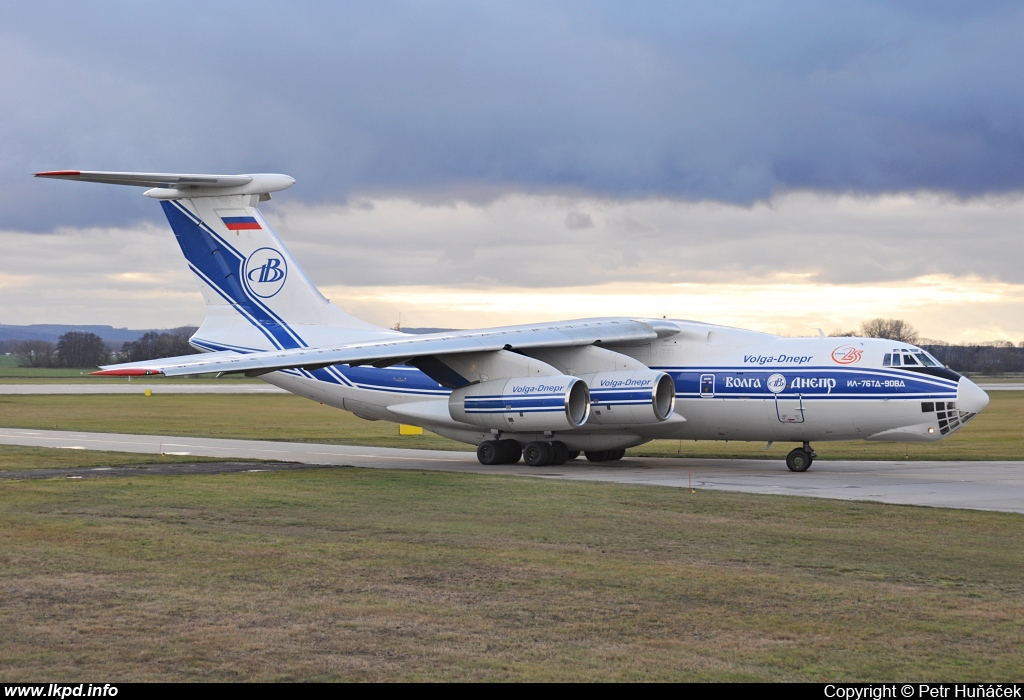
column 126, row 373
column 59, row 173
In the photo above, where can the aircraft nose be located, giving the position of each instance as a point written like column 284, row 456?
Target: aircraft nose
column 969, row 396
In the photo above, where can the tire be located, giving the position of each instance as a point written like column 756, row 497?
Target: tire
column 616, row 455
column 489, row 452
column 559, row 453
column 573, row 454
column 538, row 454
column 598, row 456
column 799, row 460
column 511, row 451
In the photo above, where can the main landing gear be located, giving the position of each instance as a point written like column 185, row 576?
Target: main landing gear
column 799, row 460
column 499, row 452
column 535, row 454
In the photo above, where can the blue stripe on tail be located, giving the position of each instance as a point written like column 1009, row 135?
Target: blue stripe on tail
column 221, row 266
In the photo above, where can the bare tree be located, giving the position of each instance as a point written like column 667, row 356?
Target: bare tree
column 77, row 349
column 35, row 353
column 891, row 328
column 154, row 345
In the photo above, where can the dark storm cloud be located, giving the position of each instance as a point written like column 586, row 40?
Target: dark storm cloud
column 735, row 102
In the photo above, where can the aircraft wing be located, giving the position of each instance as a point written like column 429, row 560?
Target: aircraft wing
column 391, row 350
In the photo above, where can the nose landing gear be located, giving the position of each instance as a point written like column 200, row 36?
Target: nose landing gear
column 799, row 460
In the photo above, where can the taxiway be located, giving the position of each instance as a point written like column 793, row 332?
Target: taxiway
column 983, row 485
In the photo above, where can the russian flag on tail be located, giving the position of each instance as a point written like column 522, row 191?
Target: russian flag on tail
column 241, row 223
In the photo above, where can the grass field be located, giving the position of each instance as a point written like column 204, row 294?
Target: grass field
column 376, row 575
column 342, row 573
column 18, row 458
column 995, row 434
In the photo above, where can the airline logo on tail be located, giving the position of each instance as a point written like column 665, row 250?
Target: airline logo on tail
column 265, row 272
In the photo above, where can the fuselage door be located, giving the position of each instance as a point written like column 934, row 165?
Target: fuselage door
column 707, row 386
column 789, row 408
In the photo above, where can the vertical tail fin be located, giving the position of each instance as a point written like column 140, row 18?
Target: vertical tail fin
column 257, row 296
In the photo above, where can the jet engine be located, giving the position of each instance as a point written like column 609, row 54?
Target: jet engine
column 553, row 402
column 637, row 397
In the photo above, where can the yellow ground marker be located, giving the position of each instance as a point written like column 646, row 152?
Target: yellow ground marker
column 409, row 429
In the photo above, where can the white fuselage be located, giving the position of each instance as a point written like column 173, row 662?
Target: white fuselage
column 730, row 385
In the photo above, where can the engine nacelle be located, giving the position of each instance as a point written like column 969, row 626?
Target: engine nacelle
column 556, row 402
column 630, row 397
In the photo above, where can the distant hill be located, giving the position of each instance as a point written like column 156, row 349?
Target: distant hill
column 53, row 331
column 115, row 336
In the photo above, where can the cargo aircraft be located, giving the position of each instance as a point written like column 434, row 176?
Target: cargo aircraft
column 544, row 392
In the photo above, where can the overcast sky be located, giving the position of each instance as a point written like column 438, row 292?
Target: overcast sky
column 867, row 151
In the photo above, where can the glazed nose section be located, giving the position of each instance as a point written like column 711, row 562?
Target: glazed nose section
column 969, row 396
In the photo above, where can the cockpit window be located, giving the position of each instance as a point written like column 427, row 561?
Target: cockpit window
column 909, row 358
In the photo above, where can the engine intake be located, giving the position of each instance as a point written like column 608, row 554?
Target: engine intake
column 630, row 397
column 557, row 402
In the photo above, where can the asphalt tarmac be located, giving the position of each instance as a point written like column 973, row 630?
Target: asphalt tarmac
column 976, row 485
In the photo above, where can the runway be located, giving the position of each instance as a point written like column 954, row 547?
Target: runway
column 976, row 485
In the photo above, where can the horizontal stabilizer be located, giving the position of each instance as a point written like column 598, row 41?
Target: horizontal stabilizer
column 180, row 185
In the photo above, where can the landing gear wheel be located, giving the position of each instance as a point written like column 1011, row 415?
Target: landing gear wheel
column 799, row 460
column 559, row 453
column 573, row 454
column 616, row 455
column 511, row 451
column 490, row 452
column 538, row 454
column 598, row 455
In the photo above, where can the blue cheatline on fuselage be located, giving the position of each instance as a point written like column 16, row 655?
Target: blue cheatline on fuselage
column 810, row 383
column 813, row 383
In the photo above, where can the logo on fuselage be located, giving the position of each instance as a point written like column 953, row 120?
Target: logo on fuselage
column 847, row 354
column 776, row 383
column 265, row 272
